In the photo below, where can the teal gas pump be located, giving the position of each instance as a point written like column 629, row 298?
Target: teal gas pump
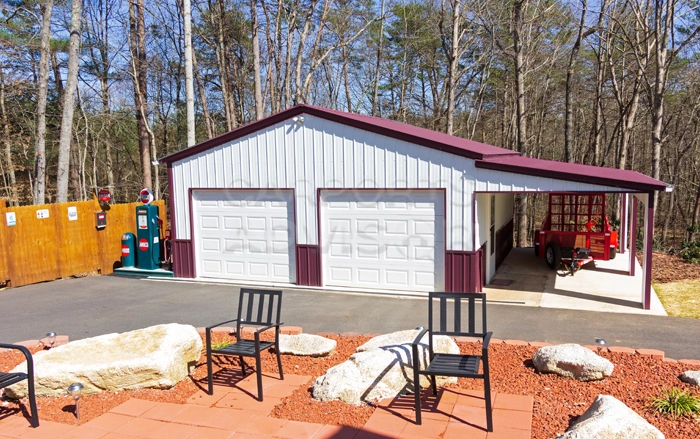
column 147, row 233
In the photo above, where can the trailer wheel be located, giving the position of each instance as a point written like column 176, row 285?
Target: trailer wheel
column 613, row 252
column 553, row 255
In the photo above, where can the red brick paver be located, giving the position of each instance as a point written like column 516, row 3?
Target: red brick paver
column 235, row 412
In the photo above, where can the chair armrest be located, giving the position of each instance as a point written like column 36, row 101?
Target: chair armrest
column 485, row 346
column 25, row 351
column 219, row 324
column 27, row 355
column 277, row 325
column 414, row 348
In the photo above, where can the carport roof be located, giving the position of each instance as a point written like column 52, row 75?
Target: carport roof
column 486, row 156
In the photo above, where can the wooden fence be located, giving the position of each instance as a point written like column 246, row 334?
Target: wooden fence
column 52, row 241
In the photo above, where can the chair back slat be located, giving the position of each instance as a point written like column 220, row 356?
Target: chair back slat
column 259, row 307
column 457, row 325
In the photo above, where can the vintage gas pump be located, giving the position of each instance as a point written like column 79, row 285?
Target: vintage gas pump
column 147, row 233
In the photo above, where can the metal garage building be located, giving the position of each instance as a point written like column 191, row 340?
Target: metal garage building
column 318, row 197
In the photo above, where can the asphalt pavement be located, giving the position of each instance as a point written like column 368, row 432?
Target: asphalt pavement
column 99, row 305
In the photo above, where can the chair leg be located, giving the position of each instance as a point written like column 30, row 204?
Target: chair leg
column 32, row 403
column 433, row 379
column 487, row 399
column 416, row 391
column 210, row 379
column 243, row 366
column 258, row 370
column 279, row 362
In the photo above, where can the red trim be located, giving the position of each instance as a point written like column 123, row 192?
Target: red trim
column 573, row 172
column 648, row 249
column 308, row 265
column 622, row 233
column 463, row 271
column 294, row 214
column 171, row 203
column 318, row 213
column 397, row 130
column 633, row 235
column 183, row 265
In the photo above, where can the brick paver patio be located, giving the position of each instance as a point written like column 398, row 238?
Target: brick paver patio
column 233, row 411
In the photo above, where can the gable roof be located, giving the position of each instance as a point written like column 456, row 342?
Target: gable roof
column 486, row 156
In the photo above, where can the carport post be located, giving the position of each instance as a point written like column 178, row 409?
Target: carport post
column 622, row 235
column 633, row 234
column 648, row 248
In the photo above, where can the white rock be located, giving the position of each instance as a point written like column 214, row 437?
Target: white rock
column 155, row 357
column 573, row 361
column 381, row 368
column 306, row 344
column 691, row 377
column 609, row 418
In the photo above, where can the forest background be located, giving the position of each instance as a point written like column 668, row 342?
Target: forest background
column 93, row 91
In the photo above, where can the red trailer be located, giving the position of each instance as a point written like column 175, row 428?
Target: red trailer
column 576, row 231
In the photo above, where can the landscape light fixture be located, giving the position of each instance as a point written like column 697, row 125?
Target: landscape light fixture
column 601, row 344
column 75, row 390
column 51, row 338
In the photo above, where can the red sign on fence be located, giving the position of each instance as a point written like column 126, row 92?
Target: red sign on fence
column 104, row 195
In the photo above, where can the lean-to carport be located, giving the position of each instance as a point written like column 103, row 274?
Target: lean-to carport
column 634, row 187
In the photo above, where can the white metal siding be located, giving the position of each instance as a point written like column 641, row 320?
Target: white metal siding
column 325, row 154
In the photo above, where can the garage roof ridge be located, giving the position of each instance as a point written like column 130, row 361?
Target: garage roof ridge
column 485, row 156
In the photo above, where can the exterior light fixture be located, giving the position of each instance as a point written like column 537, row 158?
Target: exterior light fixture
column 76, row 391
column 601, row 344
column 51, row 338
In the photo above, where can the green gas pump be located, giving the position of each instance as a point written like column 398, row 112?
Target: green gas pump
column 147, row 233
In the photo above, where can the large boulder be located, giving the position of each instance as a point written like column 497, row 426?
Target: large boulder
column 155, row 357
column 572, row 361
column 306, row 344
column 381, row 368
column 609, row 418
column 691, row 377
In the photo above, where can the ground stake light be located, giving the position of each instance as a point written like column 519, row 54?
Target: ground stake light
column 75, row 390
column 51, row 336
column 601, row 344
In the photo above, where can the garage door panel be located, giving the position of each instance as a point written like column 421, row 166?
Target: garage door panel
column 245, row 235
column 383, row 240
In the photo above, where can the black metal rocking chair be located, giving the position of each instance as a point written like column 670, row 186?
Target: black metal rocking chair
column 451, row 365
column 8, row 379
column 255, row 308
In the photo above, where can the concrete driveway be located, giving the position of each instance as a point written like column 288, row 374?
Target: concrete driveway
column 92, row 306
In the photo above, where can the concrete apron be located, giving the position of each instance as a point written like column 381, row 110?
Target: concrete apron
column 598, row 286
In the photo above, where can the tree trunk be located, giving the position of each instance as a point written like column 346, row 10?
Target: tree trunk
column 64, row 143
column 57, row 77
column 40, row 148
column 453, row 58
column 137, row 25
column 695, row 223
column 203, row 97
column 14, row 200
column 375, row 99
column 568, row 114
column 521, row 115
column 259, row 110
column 189, row 81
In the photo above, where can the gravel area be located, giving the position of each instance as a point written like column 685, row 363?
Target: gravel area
column 558, row 401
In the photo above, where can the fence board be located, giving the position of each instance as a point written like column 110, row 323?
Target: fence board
column 4, row 269
column 37, row 250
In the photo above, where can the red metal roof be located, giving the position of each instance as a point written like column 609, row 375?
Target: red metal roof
column 486, row 156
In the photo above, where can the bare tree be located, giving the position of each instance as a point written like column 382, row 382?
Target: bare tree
column 12, row 190
column 64, row 142
column 43, row 85
column 189, row 80
column 137, row 32
column 257, row 85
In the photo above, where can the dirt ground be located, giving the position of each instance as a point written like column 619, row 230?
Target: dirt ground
column 558, row 401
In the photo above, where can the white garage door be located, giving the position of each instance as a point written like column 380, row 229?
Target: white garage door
column 244, row 235
column 392, row 240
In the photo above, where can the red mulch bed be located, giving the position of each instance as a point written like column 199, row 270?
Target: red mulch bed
column 672, row 268
column 558, row 401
